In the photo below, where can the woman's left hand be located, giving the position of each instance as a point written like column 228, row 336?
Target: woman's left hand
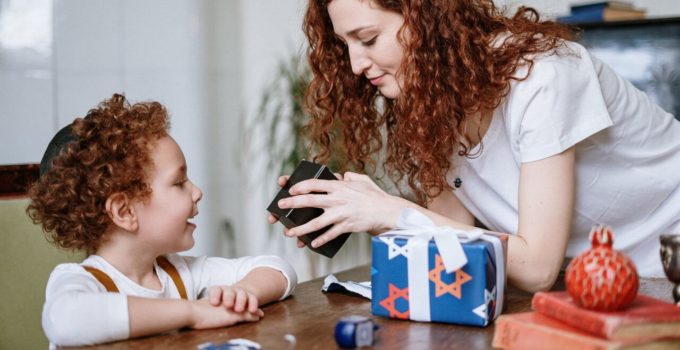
column 353, row 204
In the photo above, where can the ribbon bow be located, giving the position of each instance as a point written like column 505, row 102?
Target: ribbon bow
column 448, row 240
column 420, row 229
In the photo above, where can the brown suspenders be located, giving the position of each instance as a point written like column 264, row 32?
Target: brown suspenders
column 162, row 261
column 172, row 271
column 103, row 278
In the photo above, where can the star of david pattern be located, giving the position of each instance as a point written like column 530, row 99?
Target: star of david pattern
column 475, row 304
column 390, row 303
column 481, row 311
column 394, row 250
column 454, row 288
column 490, row 298
column 489, row 304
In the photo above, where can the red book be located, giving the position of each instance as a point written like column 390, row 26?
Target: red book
column 533, row 331
column 645, row 318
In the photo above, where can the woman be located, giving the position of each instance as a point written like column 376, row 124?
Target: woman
column 501, row 119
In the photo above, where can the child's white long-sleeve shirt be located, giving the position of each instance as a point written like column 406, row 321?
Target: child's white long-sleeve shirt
column 79, row 311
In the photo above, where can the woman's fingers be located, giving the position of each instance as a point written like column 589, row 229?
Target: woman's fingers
column 308, row 201
column 311, row 226
column 350, row 176
column 328, row 236
column 314, row 185
column 300, row 244
column 318, row 223
column 283, row 179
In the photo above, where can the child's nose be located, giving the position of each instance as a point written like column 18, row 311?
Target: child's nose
column 197, row 193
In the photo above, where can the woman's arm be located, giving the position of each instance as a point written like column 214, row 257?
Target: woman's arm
column 448, row 205
column 546, row 200
column 546, row 206
column 535, row 254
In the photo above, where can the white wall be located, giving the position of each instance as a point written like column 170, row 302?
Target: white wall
column 178, row 52
column 208, row 61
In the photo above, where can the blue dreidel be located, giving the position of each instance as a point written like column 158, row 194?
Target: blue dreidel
column 355, row 331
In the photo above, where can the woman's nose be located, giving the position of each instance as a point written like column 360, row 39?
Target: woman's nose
column 359, row 61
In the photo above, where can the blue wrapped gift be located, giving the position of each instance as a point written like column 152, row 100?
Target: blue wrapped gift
column 427, row 273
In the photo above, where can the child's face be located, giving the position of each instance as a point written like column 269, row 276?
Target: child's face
column 164, row 217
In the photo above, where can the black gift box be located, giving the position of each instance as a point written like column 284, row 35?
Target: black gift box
column 299, row 216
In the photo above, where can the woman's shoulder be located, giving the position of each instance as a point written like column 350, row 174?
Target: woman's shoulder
column 564, row 71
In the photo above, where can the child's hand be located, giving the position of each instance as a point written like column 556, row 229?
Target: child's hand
column 204, row 315
column 233, row 298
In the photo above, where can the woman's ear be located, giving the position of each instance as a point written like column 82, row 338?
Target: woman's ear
column 122, row 212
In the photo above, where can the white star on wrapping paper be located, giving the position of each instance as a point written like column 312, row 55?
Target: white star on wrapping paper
column 481, row 311
column 489, row 297
column 394, row 250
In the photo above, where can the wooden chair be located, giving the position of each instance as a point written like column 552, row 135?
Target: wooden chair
column 26, row 260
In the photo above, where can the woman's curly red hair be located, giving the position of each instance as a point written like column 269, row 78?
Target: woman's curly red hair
column 451, row 72
column 110, row 154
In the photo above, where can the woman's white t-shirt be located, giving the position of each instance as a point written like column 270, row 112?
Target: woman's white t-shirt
column 627, row 155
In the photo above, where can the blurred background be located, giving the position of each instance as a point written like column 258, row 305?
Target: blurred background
column 227, row 70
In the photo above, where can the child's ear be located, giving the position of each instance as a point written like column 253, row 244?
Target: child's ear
column 121, row 212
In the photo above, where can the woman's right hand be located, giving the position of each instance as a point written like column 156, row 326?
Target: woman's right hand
column 204, row 315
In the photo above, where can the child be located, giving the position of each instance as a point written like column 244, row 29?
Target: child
column 115, row 184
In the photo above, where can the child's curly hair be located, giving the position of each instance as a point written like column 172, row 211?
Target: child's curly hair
column 109, row 154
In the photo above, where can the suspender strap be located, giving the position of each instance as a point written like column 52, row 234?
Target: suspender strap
column 103, row 278
column 172, row 271
column 162, row 261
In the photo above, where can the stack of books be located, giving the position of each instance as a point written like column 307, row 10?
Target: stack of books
column 603, row 11
column 558, row 323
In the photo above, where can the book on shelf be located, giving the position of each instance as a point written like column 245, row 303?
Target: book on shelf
column 645, row 318
column 533, row 331
column 603, row 12
column 599, row 6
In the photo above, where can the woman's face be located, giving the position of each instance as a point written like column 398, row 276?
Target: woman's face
column 370, row 34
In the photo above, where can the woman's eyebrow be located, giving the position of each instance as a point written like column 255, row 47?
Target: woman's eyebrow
column 355, row 31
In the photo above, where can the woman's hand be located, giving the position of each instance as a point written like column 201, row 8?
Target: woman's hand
column 352, row 204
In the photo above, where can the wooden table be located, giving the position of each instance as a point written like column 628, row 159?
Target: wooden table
column 310, row 315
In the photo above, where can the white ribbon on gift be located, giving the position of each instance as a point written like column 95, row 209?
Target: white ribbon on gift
column 419, row 230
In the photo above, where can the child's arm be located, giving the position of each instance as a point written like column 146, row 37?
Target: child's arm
column 153, row 316
column 243, row 283
column 78, row 312
column 260, row 286
column 265, row 283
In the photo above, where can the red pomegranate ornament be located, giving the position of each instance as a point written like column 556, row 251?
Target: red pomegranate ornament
column 602, row 278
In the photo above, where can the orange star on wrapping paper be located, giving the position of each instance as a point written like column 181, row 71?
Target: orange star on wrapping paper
column 455, row 288
column 389, row 302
